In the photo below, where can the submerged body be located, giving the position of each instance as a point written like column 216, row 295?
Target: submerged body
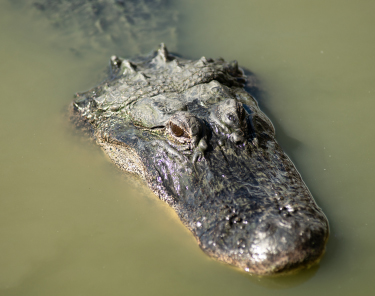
column 102, row 25
column 202, row 144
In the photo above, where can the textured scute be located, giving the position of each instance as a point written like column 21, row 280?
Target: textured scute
column 202, row 144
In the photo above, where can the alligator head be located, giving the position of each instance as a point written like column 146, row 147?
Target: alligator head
column 202, row 144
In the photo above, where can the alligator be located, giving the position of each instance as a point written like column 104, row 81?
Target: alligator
column 197, row 137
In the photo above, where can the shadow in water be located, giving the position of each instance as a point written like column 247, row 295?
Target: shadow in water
column 254, row 87
column 286, row 281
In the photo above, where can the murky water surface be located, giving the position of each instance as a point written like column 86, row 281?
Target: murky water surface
column 72, row 224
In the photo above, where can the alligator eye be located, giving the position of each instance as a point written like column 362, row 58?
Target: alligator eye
column 176, row 130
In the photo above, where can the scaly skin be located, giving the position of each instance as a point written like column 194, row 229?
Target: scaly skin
column 201, row 143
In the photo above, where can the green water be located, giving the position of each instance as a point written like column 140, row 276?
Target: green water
column 72, row 224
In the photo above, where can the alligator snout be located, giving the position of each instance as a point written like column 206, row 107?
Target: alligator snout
column 254, row 230
column 268, row 245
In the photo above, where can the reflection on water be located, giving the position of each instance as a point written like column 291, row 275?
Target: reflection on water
column 71, row 223
column 106, row 25
column 286, row 281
